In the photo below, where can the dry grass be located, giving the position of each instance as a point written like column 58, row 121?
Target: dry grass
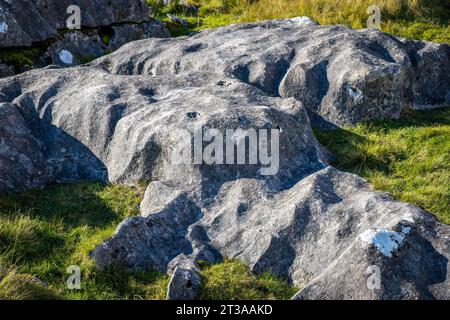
column 344, row 11
column 17, row 286
column 416, row 19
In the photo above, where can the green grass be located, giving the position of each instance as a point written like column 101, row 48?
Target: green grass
column 232, row 280
column 42, row 232
column 415, row 19
column 20, row 56
column 409, row 158
column 45, row 231
column 15, row 286
column 85, row 60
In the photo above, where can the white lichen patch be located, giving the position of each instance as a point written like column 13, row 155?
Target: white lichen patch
column 301, row 20
column 409, row 218
column 3, row 27
column 355, row 93
column 66, row 57
column 384, row 240
column 405, row 230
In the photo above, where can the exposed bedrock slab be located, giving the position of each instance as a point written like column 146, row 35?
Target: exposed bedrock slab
column 184, row 284
column 128, row 123
column 330, row 232
column 342, row 76
column 26, row 21
column 120, row 118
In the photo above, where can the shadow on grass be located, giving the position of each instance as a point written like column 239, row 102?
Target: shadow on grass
column 347, row 154
column 42, row 232
column 415, row 118
column 72, row 204
column 117, row 283
column 349, row 148
column 41, row 224
column 408, row 157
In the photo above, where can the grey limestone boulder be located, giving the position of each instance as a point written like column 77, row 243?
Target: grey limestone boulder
column 327, row 233
column 27, row 21
column 342, row 76
column 21, row 159
column 104, row 27
column 72, row 49
column 77, row 47
column 5, row 70
column 184, row 284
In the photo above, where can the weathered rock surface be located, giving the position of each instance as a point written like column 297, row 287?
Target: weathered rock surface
column 121, row 117
column 75, row 47
column 22, row 163
column 184, row 284
column 105, row 26
column 28, row 21
column 342, row 76
column 124, row 33
column 323, row 233
column 5, row 70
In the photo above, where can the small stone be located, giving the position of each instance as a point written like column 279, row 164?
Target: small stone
column 184, row 284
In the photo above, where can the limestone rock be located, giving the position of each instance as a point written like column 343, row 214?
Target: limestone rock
column 184, row 284
column 178, row 20
column 125, row 33
column 431, row 83
column 21, row 160
column 324, row 233
column 27, row 21
column 77, row 47
column 5, row 70
column 342, row 76
column 105, row 26
column 70, row 50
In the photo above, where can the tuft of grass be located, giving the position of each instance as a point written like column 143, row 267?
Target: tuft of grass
column 20, row 57
column 232, row 280
column 22, row 237
column 16, row 286
column 105, row 33
column 118, row 284
column 409, row 157
column 87, row 59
